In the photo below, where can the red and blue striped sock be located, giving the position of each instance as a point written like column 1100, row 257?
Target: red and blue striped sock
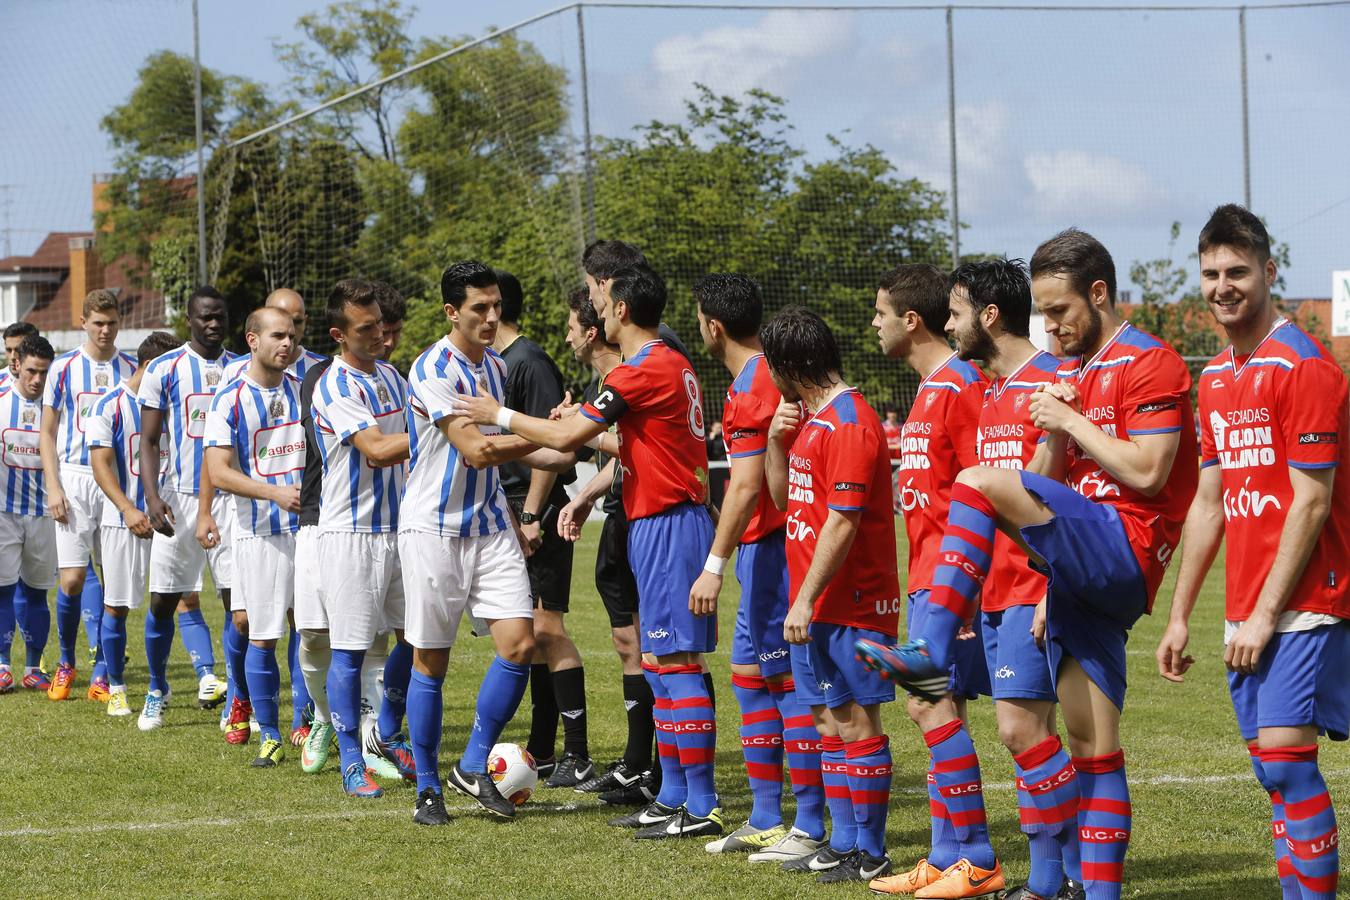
column 695, row 734
column 834, row 775
column 1284, row 866
column 801, row 744
column 944, row 849
column 762, row 746
column 963, row 562
column 1047, row 800
column 674, row 790
column 957, row 770
column 1104, row 815
column 1309, row 818
column 869, row 787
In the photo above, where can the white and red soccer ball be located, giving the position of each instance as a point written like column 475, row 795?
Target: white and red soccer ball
column 513, row 770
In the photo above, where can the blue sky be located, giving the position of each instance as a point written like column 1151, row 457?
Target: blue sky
column 1116, row 122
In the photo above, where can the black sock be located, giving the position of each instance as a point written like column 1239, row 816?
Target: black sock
column 569, row 689
column 543, row 714
column 712, row 693
column 638, row 700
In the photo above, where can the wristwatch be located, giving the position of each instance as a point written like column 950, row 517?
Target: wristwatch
column 527, row 518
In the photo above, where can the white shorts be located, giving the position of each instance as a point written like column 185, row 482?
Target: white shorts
column 445, row 576
column 126, row 562
column 309, row 611
column 176, row 562
column 266, row 586
column 77, row 537
column 27, row 550
column 362, row 586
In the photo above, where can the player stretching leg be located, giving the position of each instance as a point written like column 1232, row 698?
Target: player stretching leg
column 460, row 545
column 654, row 397
column 27, row 533
column 1116, row 423
column 773, row 720
column 358, row 414
column 1274, row 455
column 112, row 430
column 175, row 394
column 73, row 498
column 255, row 449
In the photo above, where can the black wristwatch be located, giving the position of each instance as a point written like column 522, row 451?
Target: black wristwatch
column 529, row 518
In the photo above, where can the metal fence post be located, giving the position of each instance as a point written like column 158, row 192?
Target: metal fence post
column 586, row 129
column 201, row 174
column 951, row 137
column 1246, row 138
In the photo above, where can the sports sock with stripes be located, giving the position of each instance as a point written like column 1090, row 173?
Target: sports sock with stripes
column 674, row 791
column 158, row 642
column 197, row 641
column 569, row 688
column 7, row 621
column 315, row 657
column 424, row 728
column 637, row 703
column 113, row 637
column 498, row 699
column 264, row 688
column 762, row 748
column 963, row 562
column 543, row 714
column 869, row 787
column 801, row 746
column 1047, row 796
column 1284, row 866
column 397, row 671
column 834, row 775
column 956, row 767
column 695, row 734
column 944, row 850
column 67, row 626
column 300, row 698
column 344, row 704
column 236, row 649
column 1309, row 818
column 1104, row 815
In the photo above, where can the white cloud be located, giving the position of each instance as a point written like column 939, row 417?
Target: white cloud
column 1086, row 186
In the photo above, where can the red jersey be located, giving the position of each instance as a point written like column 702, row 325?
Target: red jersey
column 893, row 432
column 1285, row 405
column 1006, row 439
column 752, row 400
column 1138, row 385
column 838, row 461
column 938, row 442
column 656, row 399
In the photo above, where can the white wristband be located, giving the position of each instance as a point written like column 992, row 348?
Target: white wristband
column 714, row 564
column 504, row 417
column 595, row 442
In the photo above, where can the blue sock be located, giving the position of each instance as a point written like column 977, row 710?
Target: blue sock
column 697, row 735
column 300, row 698
column 963, row 562
column 113, row 637
column 6, row 622
column 236, row 649
column 801, row 746
column 869, row 785
column 197, row 641
column 158, row 640
column 344, row 704
column 1104, row 811
column 424, row 728
column 957, row 771
column 264, row 686
column 673, row 788
column 36, row 621
column 67, row 626
column 1284, row 865
column 91, row 612
column 834, row 773
column 943, row 850
column 1047, row 782
column 397, row 670
column 762, row 747
column 1309, row 818
column 21, row 591
column 498, row 698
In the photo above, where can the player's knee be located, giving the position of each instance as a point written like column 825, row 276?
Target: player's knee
column 518, row 649
column 980, row 478
column 1018, row 737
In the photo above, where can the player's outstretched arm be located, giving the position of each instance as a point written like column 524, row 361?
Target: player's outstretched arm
column 480, row 450
column 565, row 434
column 1307, row 514
column 103, row 460
column 1200, row 539
column 51, row 468
column 836, row 539
column 738, row 507
column 218, row 461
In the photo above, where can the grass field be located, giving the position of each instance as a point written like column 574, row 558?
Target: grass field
column 93, row 807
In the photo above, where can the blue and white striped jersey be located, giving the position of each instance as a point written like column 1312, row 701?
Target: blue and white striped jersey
column 262, row 426
column 298, row 368
column 5, row 377
column 20, row 428
column 115, row 423
column 358, row 496
column 445, row 495
column 74, row 384
column 181, row 385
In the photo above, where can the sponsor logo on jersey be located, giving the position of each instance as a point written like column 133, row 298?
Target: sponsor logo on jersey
column 797, row 530
column 851, row 486
column 1157, row 406
column 912, row 498
column 773, row 654
column 1005, row 672
column 658, row 634
column 1318, row 437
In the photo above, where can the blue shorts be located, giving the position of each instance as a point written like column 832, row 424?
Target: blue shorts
column 1019, row 668
column 1303, row 679
column 970, row 673
column 758, row 640
column 1096, row 591
column 667, row 552
column 839, row 675
column 804, row 677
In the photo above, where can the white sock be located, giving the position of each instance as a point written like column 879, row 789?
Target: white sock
column 315, row 656
column 372, row 676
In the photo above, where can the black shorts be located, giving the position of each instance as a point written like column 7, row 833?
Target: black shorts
column 613, row 575
column 550, row 566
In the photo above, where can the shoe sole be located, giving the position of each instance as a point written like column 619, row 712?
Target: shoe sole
column 920, row 687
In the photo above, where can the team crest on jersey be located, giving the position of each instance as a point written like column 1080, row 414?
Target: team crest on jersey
column 101, row 379
column 1259, row 377
column 212, row 377
column 1106, row 380
column 29, row 416
column 382, row 394
column 928, row 401
column 276, row 408
column 1018, row 401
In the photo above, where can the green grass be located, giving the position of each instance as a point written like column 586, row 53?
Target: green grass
column 92, row 807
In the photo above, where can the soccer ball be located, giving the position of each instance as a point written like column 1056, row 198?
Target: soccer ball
column 513, row 770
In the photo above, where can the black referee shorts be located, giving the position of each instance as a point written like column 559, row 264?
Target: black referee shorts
column 613, row 575
column 550, row 566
